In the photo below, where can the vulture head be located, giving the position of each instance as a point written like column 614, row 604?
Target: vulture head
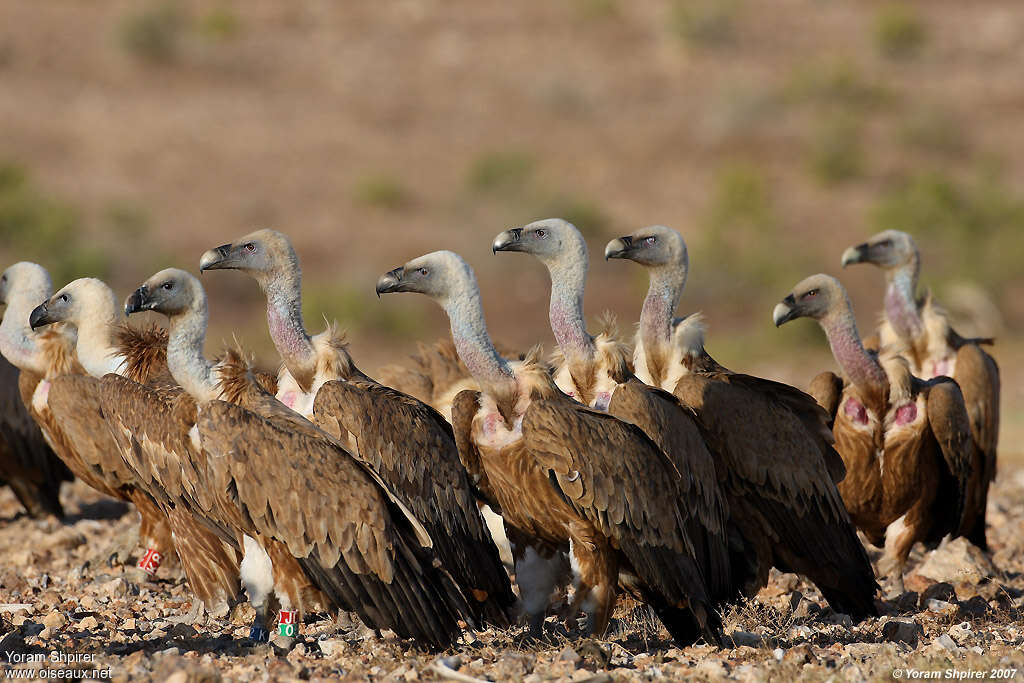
column 441, row 275
column 24, row 279
column 652, row 246
column 263, row 255
column 814, row 297
column 888, row 249
column 549, row 240
column 80, row 300
column 171, row 291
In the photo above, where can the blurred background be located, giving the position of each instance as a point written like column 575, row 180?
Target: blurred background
column 134, row 135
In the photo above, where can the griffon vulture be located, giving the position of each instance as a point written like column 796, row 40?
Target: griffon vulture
column 769, row 444
column 556, row 471
column 105, row 344
column 262, row 473
column 933, row 348
column 73, row 429
column 905, row 441
column 27, row 463
column 406, row 442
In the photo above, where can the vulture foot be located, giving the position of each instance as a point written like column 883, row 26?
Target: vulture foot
column 120, row 551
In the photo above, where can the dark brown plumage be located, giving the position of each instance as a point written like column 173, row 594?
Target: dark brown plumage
column 27, row 463
column 905, row 442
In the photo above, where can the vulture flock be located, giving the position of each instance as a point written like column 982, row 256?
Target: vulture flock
column 640, row 466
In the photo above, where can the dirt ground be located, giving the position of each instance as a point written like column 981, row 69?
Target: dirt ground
column 63, row 607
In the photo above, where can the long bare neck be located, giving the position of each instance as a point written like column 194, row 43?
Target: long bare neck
column 663, row 293
column 284, row 318
column 568, row 280
column 95, row 347
column 18, row 342
column 859, row 366
column 901, row 302
column 473, row 343
column 185, row 358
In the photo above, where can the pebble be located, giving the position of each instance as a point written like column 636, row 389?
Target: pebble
column 54, row 620
column 88, row 624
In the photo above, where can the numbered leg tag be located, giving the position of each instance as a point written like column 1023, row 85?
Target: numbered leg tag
column 288, row 623
column 150, row 561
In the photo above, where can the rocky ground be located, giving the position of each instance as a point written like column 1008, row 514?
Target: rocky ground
column 64, row 609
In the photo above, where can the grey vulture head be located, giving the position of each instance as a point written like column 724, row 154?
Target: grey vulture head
column 441, row 275
column 546, row 239
column 814, row 297
column 171, row 291
column 78, row 300
column 24, row 277
column 655, row 245
column 263, row 255
column 888, row 249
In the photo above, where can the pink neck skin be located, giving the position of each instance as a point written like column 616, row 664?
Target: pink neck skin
column 474, row 345
column 565, row 312
column 287, row 329
column 860, row 368
column 900, row 304
column 663, row 293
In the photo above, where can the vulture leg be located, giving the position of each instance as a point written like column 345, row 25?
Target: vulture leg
column 154, row 530
column 900, row 537
column 257, row 576
column 538, row 572
column 597, row 572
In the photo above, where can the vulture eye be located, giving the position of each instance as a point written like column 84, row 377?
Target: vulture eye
column 168, row 285
column 650, row 240
column 810, row 294
column 423, row 271
column 250, row 247
column 64, row 298
column 885, row 244
column 541, row 233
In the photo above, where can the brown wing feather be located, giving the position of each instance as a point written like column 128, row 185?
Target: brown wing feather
column 778, row 468
column 827, row 389
column 412, row 447
column 331, row 513
column 950, row 424
column 464, row 409
column 612, row 474
column 672, row 427
column 27, row 463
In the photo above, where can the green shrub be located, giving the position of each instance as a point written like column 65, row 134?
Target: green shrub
column 382, row 190
column 500, row 171
column 704, row 22
column 153, row 33
column 836, row 152
column 836, row 83
column 220, row 23
column 899, row 31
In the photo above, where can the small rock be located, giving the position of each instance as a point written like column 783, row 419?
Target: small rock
column 331, row 646
column 181, row 631
column 778, row 653
column 171, row 651
column 87, row 603
column 938, row 591
column 901, row 631
column 411, row 675
column 114, row 588
column 54, row 620
column 88, row 624
column 957, row 560
column 801, row 654
column 128, row 624
column 961, row 633
column 905, row 603
column 569, row 655
column 975, row 608
column 744, row 639
column 946, row 643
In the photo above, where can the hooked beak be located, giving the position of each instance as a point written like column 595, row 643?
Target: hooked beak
column 857, row 254
column 138, row 301
column 785, row 311
column 618, row 248
column 391, row 281
column 218, row 258
column 510, row 240
column 40, row 316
